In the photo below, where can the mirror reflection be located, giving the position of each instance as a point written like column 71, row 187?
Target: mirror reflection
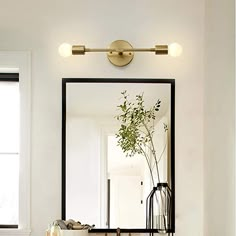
column 102, row 185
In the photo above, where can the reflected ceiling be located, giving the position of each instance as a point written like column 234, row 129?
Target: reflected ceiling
column 81, row 102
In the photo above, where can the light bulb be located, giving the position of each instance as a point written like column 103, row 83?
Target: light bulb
column 65, row 50
column 175, row 50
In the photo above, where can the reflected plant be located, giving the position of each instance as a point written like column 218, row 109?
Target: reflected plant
column 135, row 135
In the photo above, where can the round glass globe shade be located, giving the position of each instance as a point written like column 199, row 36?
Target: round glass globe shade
column 175, row 50
column 65, row 50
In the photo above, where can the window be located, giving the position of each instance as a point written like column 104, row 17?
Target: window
column 9, row 149
column 19, row 62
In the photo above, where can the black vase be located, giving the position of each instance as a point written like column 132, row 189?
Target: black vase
column 158, row 208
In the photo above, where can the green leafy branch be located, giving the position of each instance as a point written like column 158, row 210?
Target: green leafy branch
column 135, row 135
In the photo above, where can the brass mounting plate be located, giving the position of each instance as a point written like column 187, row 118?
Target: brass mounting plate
column 120, row 57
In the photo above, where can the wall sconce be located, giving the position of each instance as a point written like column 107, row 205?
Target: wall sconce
column 120, row 52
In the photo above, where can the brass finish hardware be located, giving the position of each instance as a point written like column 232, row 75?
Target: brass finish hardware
column 120, row 53
column 161, row 49
column 78, row 50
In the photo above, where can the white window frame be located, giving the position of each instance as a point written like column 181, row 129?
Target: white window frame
column 20, row 62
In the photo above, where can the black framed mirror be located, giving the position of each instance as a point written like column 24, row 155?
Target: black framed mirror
column 100, row 184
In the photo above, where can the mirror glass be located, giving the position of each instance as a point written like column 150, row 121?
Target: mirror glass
column 100, row 184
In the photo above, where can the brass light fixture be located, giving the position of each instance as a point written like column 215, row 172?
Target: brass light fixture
column 120, row 52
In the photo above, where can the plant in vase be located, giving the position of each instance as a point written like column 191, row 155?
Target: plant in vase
column 135, row 136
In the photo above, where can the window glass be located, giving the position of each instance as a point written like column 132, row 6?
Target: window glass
column 9, row 152
column 9, row 178
column 9, row 117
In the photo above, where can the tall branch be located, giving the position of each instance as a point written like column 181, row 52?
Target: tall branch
column 153, row 151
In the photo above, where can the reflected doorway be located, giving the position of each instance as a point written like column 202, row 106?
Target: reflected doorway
column 126, row 176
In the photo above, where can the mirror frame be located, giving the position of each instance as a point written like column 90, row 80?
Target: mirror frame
column 66, row 81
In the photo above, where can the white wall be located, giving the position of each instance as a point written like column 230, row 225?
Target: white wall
column 219, row 122
column 41, row 26
column 83, row 173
